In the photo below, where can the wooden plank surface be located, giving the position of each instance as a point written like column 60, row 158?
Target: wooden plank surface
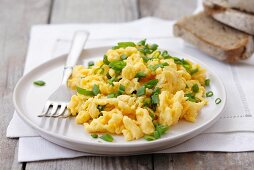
column 166, row 9
column 205, row 160
column 96, row 163
column 16, row 18
column 81, row 11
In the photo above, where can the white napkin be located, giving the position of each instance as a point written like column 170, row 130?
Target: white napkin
column 49, row 41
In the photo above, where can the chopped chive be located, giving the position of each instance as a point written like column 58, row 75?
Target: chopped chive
column 157, row 90
column 209, row 94
column 142, row 42
column 147, row 102
column 149, row 137
column 121, row 90
column 140, row 75
column 190, row 97
column 195, row 88
column 90, row 63
column 39, row 83
column 145, row 59
column 111, row 95
column 141, row 91
column 110, row 81
column 105, row 60
column 161, row 129
column 207, row 82
column 218, row 101
column 85, row 92
column 193, row 71
column 156, row 134
column 107, row 137
column 123, row 57
column 165, row 55
column 94, row 136
column 151, row 83
column 124, row 45
column 154, row 47
column 155, row 98
column 117, row 65
column 99, row 70
column 96, row 89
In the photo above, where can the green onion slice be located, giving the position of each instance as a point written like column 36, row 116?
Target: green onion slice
column 151, row 83
column 195, row 88
column 39, row 83
column 155, row 98
column 96, row 89
column 218, row 101
column 107, row 137
column 142, row 42
column 94, row 136
column 105, row 60
column 140, row 75
column 209, row 94
column 141, row 91
column 207, row 82
column 90, row 63
column 85, row 92
column 117, row 65
column 149, row 137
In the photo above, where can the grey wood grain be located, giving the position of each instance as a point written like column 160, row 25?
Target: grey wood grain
column 16, row 18
column 166, row 9
column 96, row 163
column 204, row 160
column 80, row 11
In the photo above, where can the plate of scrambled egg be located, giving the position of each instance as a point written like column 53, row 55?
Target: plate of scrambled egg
column 127, row 99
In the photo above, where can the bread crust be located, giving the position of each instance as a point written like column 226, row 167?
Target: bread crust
column 231, row 17
column 241, row 51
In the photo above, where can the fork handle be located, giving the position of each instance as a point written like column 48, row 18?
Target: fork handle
column 78, row 43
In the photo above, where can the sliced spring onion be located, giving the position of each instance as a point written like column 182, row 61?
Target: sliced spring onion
column 90, row 63
column 155, row 98
column 207, row 82
column 85, row 92
column 39, row 83
column 107, row 137
column 195, row 88
column 99, row 70
column 110, row 81
column 147, row 102
column 105, row 60
column 193, row 71
column 218, row 101
column 140, row 75
column 209, row 94
column 117, row 65
column 96, row 89
column 190, row 97
column 149, row 137
column 154, row 47
column 121, row 90
column 146, row 59
column 142, row 42
column 152, row 83
column 111, row 95
column 123, row 57
column 94, row 136
column 141, row 91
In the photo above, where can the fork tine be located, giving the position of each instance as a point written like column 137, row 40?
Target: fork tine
column 60, row 111
column 54, row 109
column 45, row 109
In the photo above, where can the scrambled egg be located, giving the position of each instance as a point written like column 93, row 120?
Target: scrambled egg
column 133, row 88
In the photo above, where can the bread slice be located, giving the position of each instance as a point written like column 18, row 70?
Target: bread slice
column 243, row 5
column 214, row 38
column 237, row 19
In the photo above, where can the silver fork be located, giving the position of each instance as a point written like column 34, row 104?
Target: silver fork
column 59, row 99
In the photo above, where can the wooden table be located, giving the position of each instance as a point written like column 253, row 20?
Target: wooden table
column 16, row 19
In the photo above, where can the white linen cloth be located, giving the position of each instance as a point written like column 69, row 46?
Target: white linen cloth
column 232, row 133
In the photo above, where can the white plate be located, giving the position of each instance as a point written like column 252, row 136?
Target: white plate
column 29, row 101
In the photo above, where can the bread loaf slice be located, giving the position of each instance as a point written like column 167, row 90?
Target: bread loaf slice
column 243, row 5
column 237, row 19
column 214, row 38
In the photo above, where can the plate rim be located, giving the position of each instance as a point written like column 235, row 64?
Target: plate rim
column 115, row 144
